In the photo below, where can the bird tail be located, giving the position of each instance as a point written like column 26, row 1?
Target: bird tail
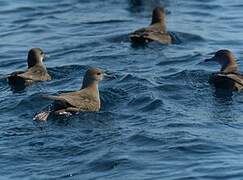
column 42, row 116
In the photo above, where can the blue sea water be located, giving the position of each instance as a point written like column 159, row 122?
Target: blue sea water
column 160, row 119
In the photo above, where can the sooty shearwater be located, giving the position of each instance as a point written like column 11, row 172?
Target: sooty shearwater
column 86, row 99
column 156, row 30
column 36, row 71
column 228, row 77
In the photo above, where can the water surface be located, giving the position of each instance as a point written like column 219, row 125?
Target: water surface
column 160, row 118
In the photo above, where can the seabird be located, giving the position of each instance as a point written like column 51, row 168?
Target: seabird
column 155, row 32
column 36, row 71
column 228, row 77
column 86, row 99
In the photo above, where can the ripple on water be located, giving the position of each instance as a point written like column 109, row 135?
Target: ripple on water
column 160, row 118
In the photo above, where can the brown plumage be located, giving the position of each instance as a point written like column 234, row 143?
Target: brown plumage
column 228, row 77
column 36, row 70
column 86, row 99
column 155, row 32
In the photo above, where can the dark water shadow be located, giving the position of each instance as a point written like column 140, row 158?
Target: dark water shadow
column 223, row 94
column 182, row 37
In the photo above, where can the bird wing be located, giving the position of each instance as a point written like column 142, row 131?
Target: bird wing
column 35, row 74
column 234, row 77
column 142, row 32
column 158, row 36
column 77, row 99
column 15, row 80
column 17, row 73
column 152, row 33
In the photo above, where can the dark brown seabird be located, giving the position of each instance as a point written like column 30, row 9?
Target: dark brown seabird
column 155, row 32
column 228, row 77
column 86, row 99
column 36, row 70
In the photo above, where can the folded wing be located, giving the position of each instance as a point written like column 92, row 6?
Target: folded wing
column 78, row 100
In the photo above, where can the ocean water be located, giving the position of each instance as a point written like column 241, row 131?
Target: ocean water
column 160, row 119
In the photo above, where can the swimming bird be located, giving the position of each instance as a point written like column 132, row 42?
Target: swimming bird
column 228, row 77
column 86, row 99
column 156, row 30
column 36, row 70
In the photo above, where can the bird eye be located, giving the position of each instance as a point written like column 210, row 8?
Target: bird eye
column 98, row 74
